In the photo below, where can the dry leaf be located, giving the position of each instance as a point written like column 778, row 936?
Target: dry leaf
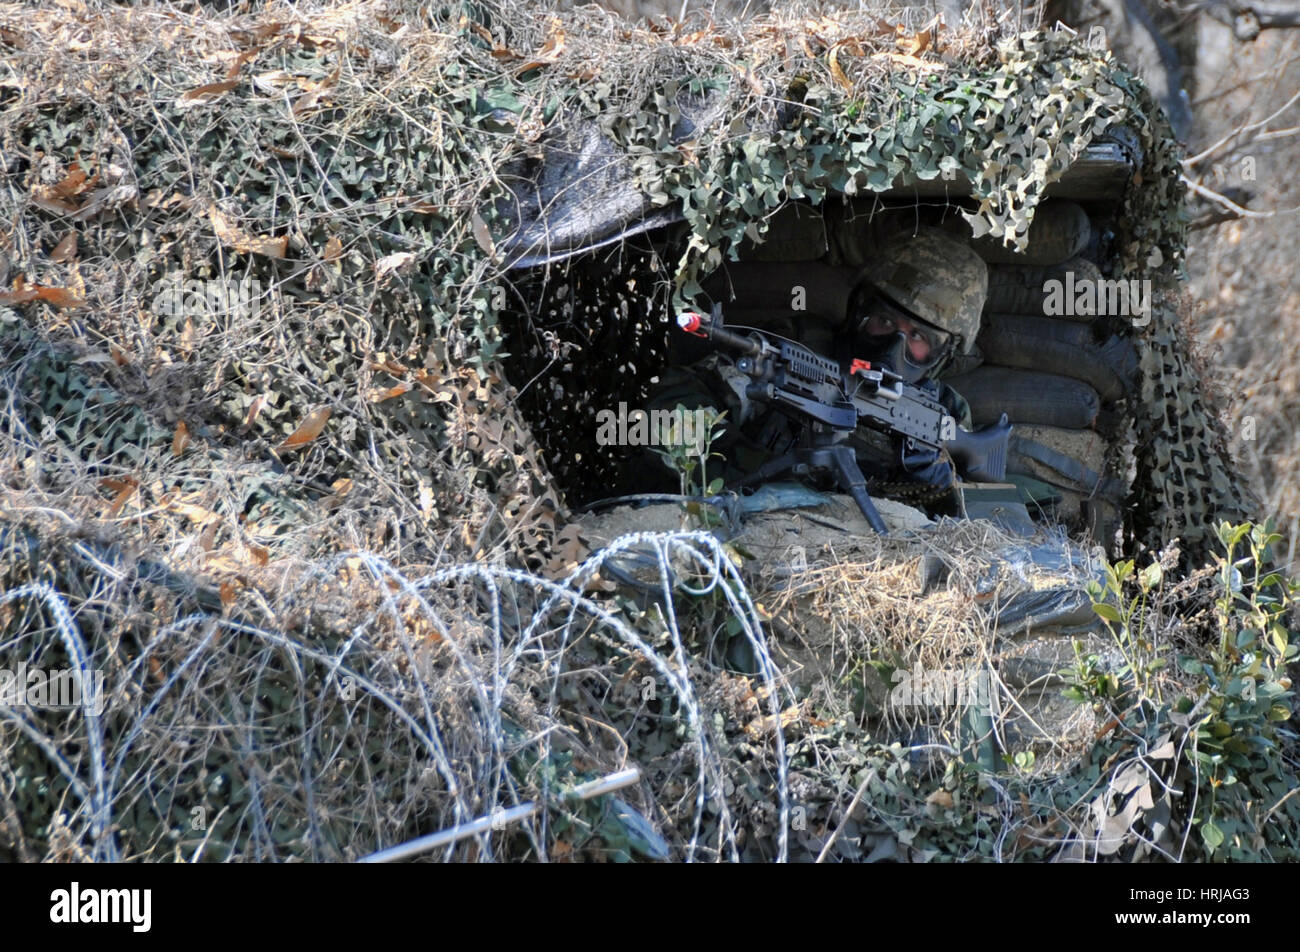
column 379, row 396
column 254, row 409
column 66, row 249
column 926, row 38
column 270, row 81
column 227, row 594
column 208, row 537
column 392, row 264
column 308, row 430
column 333, row 249
column 125, row 489
column 232, row 235
column 549, row 52
column 181, row 440
column 239, row 62
column 72, row 184
column 23, row 292
column 482, row 235
column 836, row 71
column 940, row 798
column 315, row 91
column 205, row 94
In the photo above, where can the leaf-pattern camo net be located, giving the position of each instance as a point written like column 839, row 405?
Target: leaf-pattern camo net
column 183, row 458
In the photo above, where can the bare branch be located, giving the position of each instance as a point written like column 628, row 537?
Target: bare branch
column 1248, row 19
column 1223, row 200
column 1240, row 131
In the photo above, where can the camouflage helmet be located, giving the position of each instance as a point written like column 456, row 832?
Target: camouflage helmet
column 935, row 276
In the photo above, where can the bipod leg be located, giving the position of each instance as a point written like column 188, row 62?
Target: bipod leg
column 844, row 463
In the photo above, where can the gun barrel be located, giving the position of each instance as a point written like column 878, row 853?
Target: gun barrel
column 696, row 324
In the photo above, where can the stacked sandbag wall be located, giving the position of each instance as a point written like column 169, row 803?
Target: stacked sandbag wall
column 1060, row 370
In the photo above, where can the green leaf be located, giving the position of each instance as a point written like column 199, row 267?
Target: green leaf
column 1279, row 637
column 1212, row 835
column 1190, row 665
column 1107, row 611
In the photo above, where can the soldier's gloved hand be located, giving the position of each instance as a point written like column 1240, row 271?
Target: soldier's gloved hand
column 926, row 464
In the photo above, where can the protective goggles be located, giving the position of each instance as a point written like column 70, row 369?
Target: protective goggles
column 879, row 318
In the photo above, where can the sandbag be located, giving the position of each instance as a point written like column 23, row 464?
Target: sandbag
column 1059, row 231
column 1018, row 288
column 1027, row 396
column 1073, row 463
column 1061, row 347
column 1071, row 460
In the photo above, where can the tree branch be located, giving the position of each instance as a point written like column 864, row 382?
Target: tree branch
column 1238, row 210
column 1239, row 131
column 1248, row 17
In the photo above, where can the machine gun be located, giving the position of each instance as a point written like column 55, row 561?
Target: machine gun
column 831, row 403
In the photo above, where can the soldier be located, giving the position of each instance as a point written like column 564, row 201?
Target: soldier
column 913, row 309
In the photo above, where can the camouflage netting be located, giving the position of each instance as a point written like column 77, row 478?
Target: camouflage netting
column 265, row 466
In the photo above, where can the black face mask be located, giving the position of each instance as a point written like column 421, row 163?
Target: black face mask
column 891, row 351
column 890, row 348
